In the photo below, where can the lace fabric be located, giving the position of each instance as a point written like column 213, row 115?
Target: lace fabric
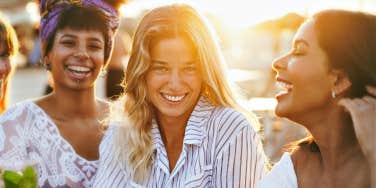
column 27, row 133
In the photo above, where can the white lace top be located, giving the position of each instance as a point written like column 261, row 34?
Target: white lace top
column 282, row 175
column 28, row 133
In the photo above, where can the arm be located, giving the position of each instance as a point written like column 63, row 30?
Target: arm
column 241, row 162
column 363, row 115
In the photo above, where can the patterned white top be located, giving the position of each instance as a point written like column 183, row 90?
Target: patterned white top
column 221, row 149
column 282, row 175
column 28, row 133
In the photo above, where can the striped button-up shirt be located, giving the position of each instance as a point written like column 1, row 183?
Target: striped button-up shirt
column 220, row 149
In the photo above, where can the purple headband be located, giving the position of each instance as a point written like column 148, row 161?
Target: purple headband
column 52, row 9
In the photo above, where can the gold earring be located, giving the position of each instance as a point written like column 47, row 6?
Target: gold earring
column 333, row 94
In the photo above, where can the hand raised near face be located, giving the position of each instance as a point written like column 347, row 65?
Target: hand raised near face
column 363, row 115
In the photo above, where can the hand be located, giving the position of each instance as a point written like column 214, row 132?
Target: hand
column 363, row 115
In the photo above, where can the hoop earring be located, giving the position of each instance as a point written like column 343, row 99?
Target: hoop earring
column 45, row 65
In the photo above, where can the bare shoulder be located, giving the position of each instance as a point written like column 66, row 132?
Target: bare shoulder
column 304, row 158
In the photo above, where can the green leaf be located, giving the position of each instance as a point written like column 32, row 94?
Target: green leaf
column 11, row 179
column 29, row 179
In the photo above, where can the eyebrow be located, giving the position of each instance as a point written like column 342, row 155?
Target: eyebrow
column 296, row 42
column 95, row 39
column 163, row 62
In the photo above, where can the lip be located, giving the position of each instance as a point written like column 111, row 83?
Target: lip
column 183, row 96
column 280, row 79
column 76, row 75
column 285, row 91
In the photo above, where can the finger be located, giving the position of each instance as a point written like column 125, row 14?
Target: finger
column 370, row 100
column 346, row 103
column 371, row 90
column 354, row 106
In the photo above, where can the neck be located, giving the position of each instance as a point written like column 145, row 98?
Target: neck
column 172, row 128
column 334, row 134
column 80, row 104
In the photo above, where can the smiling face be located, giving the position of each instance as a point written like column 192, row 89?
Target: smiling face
column 5, row 66
column 76, row 58
column 304, row 76
column 174, row 79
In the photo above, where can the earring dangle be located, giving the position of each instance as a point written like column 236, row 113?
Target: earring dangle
column 333, row 94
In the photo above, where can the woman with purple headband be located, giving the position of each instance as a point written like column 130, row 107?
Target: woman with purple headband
column 61, row 132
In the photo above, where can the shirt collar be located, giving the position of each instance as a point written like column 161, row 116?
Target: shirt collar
column 194, row 131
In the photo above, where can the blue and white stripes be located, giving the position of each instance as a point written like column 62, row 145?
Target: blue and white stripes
column 221, row 149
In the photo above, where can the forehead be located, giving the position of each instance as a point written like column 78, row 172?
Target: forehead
column 173, row 48
column 307, row 33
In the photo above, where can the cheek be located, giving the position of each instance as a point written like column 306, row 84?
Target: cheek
column 194, row 80
column 154, row 81
column 5, row 66
column 98, row 58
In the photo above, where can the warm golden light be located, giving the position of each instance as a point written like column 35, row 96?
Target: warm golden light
column 239, row 14
column 32, row 9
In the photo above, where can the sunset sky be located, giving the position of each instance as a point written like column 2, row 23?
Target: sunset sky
column 242, row 13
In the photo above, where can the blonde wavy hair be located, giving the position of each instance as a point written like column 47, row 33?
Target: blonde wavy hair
column 133, row 140
column 9, row 39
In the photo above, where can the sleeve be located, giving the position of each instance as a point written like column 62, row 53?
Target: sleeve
column 282, row 175
column 240, row 161
column 110, row 171
column 14, row 134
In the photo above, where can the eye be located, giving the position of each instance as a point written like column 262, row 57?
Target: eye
column 68, row 43
column 298, row 50
column 190, row 69
column 159, row 68
column 95, row 46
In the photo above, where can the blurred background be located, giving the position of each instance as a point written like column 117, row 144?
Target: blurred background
column 251, row 32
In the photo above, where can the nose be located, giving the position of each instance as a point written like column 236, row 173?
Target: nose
column 175, row 80
column 280, row 62
column 81, row 53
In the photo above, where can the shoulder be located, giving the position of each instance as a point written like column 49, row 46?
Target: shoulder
column 282, row 175
column 17, row 110
column 227, row 127
column 302, row 156
column 229, row 120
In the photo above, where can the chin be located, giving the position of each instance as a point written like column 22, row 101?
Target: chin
column 280, row 111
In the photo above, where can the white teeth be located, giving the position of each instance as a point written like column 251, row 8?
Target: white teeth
column 173, row 98
column 284, row 85
column 79, row 68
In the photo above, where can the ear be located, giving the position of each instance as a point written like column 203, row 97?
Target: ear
column 341, row 83
column 45, row 63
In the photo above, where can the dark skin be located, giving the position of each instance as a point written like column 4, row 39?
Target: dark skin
column 73, row 106
column 311, row 172
column 340, row 161
column 82, row 131
column 307, row 101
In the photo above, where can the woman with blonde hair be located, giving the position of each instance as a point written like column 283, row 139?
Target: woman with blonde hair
column 181, row 125
column 8, row 48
